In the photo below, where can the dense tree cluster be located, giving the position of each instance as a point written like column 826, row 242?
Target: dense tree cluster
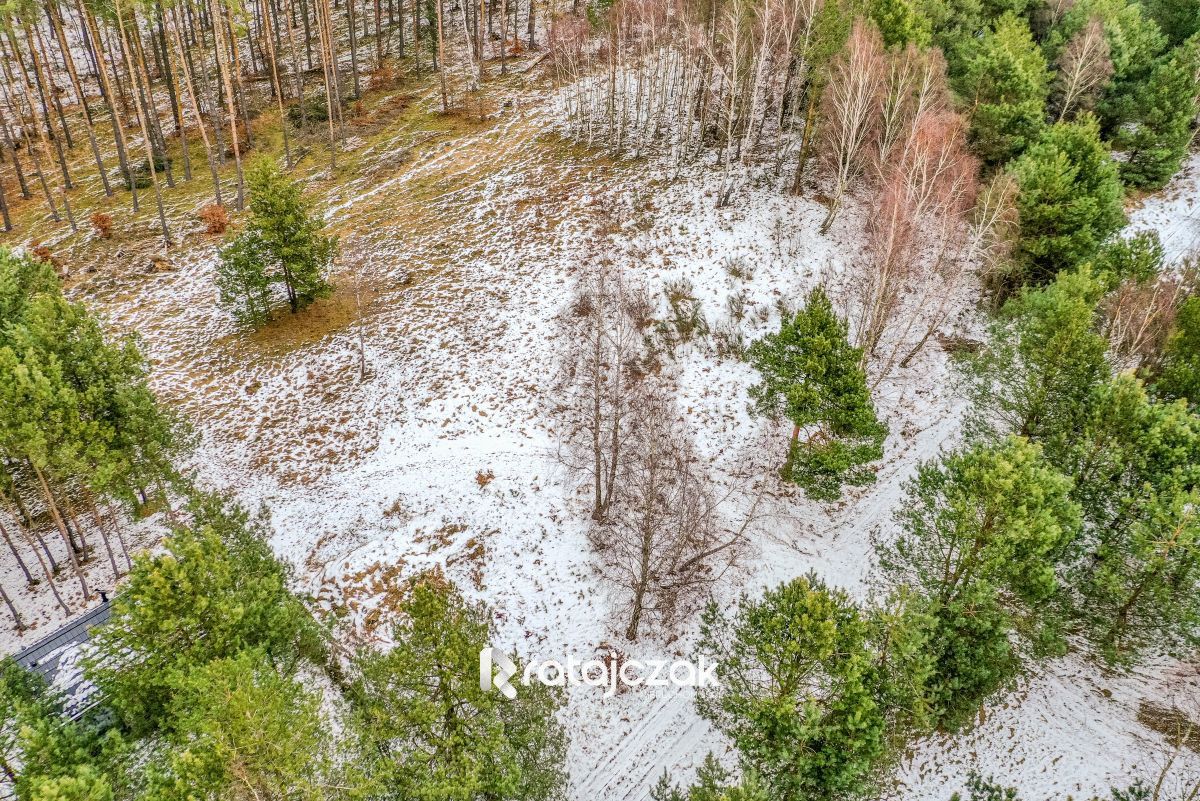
column 83, row 439
column 223, row 686
column 142, row 82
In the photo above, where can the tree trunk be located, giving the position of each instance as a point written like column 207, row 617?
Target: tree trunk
column 57, row 26
column 142, row 116
column 16, row 554
column 106, row 89
column 441, row 57
column 223, row 70
column 195, row 107
column 269, row 38
column 62, row 529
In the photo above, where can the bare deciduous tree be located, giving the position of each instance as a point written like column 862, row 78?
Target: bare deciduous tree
column 851, row 114
column 663, row 545
column 928, row 187
column 1138, row 317
column 602, row 367
column 1084, row 69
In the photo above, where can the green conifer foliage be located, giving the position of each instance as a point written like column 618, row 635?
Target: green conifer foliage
column 1180, row 376
column 983, row 531
column 797, row 690
column 435, row 733
column 282, row 245
column 812, row 376
column 1163, row 116
column 1070, row 200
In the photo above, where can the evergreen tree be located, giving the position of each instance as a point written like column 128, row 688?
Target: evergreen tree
column 1180, row 374
column 240, row 729
column 1138, row 258
column 1042, row 361
column 994, row 515
column 1136, row 468
column 1070, row 200
column 281, row 244
column 215, row 590
column 713, row 783
column 437, row 734
column 1178, row 19
column 812, row 376
column 900, row 23
column 796, row 691
column 982, row 533
column 243, row 283
column 1005, row 82
column 1163, row 117
column 1143, row 590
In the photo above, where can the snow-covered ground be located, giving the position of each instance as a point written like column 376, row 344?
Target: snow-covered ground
column 445, row 454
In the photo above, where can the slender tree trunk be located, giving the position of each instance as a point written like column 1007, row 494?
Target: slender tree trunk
column 173, row 94
column 378, row 35
column 12, row 151
column 16, row 554
column 12, row 609
column 39, row 84
column 106, row 88
column 37, row 164
column 142, row 116
column 62, row 529
column 116, row 522
column 352, row 25
column 46, row 571
column 441, row 56
column 269, row 38
column 223, row 69
column 190, row 90
column 99, row 523
column 145, row 92
column 56, row 24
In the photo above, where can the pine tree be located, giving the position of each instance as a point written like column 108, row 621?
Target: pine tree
column 1042, row 361
column 811, row 375
column 1164, row 111
column 1070, row 200
column 997, row 515
column 1135, row 463
column 214, row 590
column 281, row 244
column 983, row 530
column 713, row 783
column 796, row 691
column 1178, row 19
column 243, row 283
column 1180, row 374
column 1005, row 82
column 435, row 732
column 239, row 726
column 900, row 22
column 1138, row 257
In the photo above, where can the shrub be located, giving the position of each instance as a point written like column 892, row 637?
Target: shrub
column 139, row 175
column 215, row 218
column 102, row 224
